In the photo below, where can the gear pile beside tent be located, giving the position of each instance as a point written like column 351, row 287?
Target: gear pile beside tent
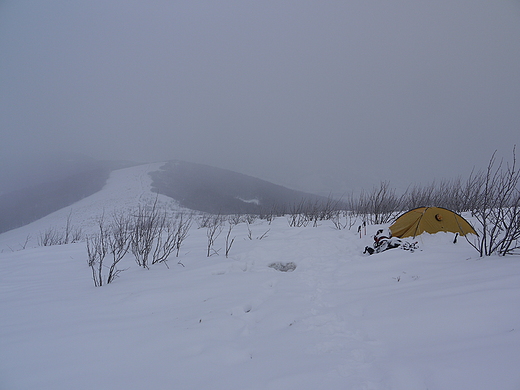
column 415, row 222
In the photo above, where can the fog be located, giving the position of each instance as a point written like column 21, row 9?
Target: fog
column 320, row 96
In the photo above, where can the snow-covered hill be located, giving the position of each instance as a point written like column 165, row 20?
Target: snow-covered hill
column 437, row 318
column 215, row 190
column 198, row 187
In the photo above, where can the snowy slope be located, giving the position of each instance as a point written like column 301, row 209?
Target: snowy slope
column 438, row 318
column 125, row 189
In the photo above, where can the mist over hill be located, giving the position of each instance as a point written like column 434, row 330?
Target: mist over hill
column 215, row 190
column 34, row 188
column 21, row 172
column 23, row 206
column 45, row 187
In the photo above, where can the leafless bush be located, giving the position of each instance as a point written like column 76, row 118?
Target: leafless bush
column 170, row 234
column 213, row 230
column 269, row 214
column 468, row 196
column 351, row 217
column 97, row 249
column 113, row 239
column 204, row 220
column 344, row 219
column 53, row 236
column 155, row 234
column 497, row 207
column 250, row 218
column 298, row 216
column 147, row 225
column 72, row 234
column 263, row 235
column 249, row 231
column 453, row 194
column 164, row 243
column 235, row 219
column 419, row 196
column 119, row 240
column 450, row 194
column 380, row 205
column 337, row 220
column 271, row 211
column 313, row 210
column 329, row 208
column 183, row 225
column 232, row 222
column 149, row 233
column 27, row 239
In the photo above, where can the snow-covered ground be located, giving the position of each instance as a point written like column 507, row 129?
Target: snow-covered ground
column 437, row 318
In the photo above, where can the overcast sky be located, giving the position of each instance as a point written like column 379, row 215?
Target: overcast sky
column 310, row 94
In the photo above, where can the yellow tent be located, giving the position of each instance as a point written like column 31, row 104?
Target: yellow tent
column 430, row 220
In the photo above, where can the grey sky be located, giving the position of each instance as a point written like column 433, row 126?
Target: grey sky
column 318, row 95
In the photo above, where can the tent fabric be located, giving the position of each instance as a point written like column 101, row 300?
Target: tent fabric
column 430, row 220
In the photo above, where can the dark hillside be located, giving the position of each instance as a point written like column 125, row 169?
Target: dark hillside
column 215, row 190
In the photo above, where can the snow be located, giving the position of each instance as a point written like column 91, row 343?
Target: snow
column 437, row 318
column 255, row 201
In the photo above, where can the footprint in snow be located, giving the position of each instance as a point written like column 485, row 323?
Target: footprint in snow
column 283, row 267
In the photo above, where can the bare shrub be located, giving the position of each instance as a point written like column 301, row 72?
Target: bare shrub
column 53, row 236
column 496, row 206
column 313, row 212
column 249, row 231
column 118, row 240
column 72, row 234
column 97, row 249
column 155, row 234
column 113, row 239
column 274, row 210
column 204, row 220
column 165, row 241
column 213, row 230
column 269, row 214
column 250, row 218
column 329, row 208
column 453, row 194
column 27, row 239
column 183, row 225
column 235, row 219
column 344, row 219
column 298, row 216
column 147, row 225
column 149, row 233
column 263, row 235
column 419, row 196
column 380, row 205
column 232, row 222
